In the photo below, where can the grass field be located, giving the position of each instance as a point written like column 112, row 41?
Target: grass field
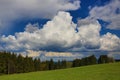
column 94, row 72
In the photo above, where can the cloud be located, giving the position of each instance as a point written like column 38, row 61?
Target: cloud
column 115, row 55
column 109, row 13
column 44, row 55
column 59, row 54
column 50, row 36
column 62, row 55
column 31, row 28
column 110, row 42
column 35, row 8
column 89, row 32
column 31, row 53
column 13, row 10
column 9, row 43
column 60, row 34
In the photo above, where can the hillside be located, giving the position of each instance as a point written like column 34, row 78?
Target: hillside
column 95, row 72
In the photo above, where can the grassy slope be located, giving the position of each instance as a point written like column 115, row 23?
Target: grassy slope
column 95, row 72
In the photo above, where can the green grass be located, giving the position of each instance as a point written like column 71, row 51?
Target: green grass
column 94, row 72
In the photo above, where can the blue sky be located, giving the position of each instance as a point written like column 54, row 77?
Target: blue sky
column 60, row 28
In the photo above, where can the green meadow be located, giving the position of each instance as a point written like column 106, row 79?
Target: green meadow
column 109, row 71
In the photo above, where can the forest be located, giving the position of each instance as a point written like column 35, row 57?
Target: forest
column 11, row 63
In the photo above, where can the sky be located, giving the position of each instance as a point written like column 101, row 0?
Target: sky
column 60, row 29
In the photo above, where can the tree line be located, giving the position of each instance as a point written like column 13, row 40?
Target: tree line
column 11, row 63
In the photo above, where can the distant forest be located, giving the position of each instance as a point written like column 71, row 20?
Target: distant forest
column 11, row 63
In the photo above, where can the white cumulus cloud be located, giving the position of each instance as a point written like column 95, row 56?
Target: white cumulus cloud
column 59, row 34
column 110, row 42
column 89, row 32
column 31, row 28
